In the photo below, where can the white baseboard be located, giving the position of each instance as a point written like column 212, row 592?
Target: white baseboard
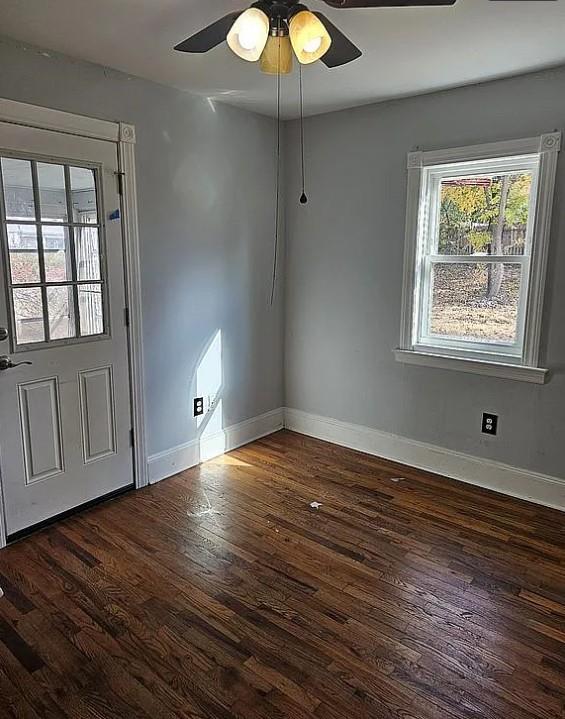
column 521, row 483
column 177, row 459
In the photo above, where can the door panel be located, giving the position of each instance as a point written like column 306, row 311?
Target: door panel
column 97, row 413
column 41, row 429
column 64, row 419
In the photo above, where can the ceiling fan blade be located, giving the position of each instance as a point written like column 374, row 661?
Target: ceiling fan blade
column 387, row 3
column 211, row 36
column 342, row 50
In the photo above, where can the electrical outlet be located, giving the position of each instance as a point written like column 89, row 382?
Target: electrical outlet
column 198, row 406
column 490, row 424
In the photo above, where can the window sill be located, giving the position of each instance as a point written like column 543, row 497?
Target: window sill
column 521, row 373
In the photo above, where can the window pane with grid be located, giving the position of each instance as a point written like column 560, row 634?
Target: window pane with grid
column 28, row 311
column 18, row 189
column 52, row 235
column 57, row 254
column 91, row 310
column 61, row 312
column 83, row 195
column 23, row 254
column 484, row 214
column 477, row 302
column 52, row 192
column 475, row 255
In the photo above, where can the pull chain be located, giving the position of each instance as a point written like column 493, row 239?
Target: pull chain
column 303, row 197
column 278, row 181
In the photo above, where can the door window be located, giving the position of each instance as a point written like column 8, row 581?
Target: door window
column 53, row 249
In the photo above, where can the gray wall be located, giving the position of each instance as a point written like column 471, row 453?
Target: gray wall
column 344, row 275
column 206, row 178
column 206, row 201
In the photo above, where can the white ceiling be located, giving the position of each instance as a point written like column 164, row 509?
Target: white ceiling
column 406, row 50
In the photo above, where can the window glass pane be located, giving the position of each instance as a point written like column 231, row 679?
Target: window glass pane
column 475, row 302
column 45, row 245
column 18, row 189
column 485, row 215
column 61, row 316
column 52, row 196
column 83, row 195
column 28, row 314
column 57, row 254
column 90, row 308
column 24, row 259
column 87, row 253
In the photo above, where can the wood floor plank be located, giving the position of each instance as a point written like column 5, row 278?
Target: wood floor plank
column 221, row 593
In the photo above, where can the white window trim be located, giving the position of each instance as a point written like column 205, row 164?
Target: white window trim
column 526, row 366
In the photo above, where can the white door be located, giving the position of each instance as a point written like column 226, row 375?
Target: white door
column 65, row 418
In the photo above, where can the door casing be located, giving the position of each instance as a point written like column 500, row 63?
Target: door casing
column 123, row 134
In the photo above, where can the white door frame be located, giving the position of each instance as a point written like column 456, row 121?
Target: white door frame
column 123, row 134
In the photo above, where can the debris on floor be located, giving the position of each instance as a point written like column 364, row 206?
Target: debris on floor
column 315, row 505
column 203, row 511
column 398, row 479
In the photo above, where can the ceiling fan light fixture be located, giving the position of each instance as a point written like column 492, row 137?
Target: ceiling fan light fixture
column 249, row 34
column 277, row 56
column 309, row 37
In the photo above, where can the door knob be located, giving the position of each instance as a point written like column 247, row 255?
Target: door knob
column 6, row 363
column 3, row 334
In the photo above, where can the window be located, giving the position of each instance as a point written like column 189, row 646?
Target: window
column 51, row 233
column 476, row 248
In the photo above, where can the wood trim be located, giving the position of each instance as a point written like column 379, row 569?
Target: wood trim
column 550, row 142
column 519, row 372
column 126, row 157
column 415, row 192
column 3, row 534
column 521, row 483
column 44, row 118
column 540, row 252
column 172, row 461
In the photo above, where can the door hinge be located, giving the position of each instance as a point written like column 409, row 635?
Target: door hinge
column 120, row 176
column 126, row 316
column 131, row 438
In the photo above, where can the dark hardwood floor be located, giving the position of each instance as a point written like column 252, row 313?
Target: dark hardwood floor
column 221, row 593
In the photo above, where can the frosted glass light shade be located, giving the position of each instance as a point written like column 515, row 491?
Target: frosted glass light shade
column 248, row 35
column 277, row 50
column 309, row 37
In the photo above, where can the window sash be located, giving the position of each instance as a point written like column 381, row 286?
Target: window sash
column 51, row 223
column 425, row 339
column 62, row 283
column 427, row 257
column 478, row 259
column 432, row 195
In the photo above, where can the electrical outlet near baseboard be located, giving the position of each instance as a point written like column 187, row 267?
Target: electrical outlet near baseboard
column 205, row 405
column 198, row 406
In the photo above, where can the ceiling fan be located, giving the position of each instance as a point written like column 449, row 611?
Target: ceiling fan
column 270, row 30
